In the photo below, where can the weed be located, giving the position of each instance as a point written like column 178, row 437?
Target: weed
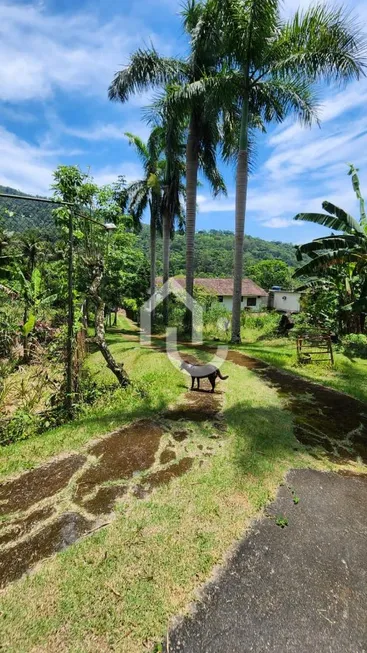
column 281, row 521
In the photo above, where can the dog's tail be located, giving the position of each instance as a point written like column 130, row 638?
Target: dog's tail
column 220, row 375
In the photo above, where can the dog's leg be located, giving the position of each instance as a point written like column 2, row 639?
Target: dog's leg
column 192, row 382
column 212, row 381
column 198, row 380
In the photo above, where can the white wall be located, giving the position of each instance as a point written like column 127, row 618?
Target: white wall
column 287, row 301
column 261, row 302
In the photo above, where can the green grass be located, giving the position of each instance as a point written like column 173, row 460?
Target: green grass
column 346, row 375
column 148, row 370
column 118, row 589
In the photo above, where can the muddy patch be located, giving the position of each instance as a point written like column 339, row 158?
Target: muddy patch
column 167, row 456
column 164, row 476
column 38, row 484
column 199, row 406
column 323, row 418
column 120, row 455
column 180, row 436
column 12, row 531
column 104, row 500
column 19, row 559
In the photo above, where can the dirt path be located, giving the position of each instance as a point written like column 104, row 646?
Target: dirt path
column 47, row 509
column 326, row 421
column 295, row 589
column 302, row 587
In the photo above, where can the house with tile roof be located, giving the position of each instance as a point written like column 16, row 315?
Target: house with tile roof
column 254, row 298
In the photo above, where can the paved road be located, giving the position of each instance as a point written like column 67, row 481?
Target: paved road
column 293, row 590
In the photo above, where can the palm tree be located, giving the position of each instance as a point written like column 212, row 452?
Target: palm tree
column 172, row 209
column 148, row 70
column 267, row 68
column 148, row 191
column 348, row 250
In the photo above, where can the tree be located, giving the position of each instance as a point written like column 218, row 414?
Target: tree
column 271, row 272
column 344, row 254
column 93, row 208
column 173, row 193
column 268, row 67
column 148, row 191
column 148, row 70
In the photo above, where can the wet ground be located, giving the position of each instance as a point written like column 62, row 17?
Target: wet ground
column 325, row 420
column 50, row 507
column 295, row 589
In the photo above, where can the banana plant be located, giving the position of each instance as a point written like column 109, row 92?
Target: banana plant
column 344, row 253
column 35, row 301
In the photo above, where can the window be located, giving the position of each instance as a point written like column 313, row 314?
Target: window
column 220, row 298
column 251, row 301
column 241, row 298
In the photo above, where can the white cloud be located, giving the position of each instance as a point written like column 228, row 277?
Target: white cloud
column 29, row 167
column 41, row 52
column 281, row 223
column 109, row 174
column 107, row 131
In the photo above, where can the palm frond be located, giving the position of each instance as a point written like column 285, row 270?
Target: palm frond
column 323, row 43
column 140, row 147
column 146, row 70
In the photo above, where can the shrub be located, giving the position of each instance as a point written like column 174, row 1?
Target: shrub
column 355, row 345
column 265, row 324
column 23, row 424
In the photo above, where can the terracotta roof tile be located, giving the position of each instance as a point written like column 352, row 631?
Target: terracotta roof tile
column 223, row 286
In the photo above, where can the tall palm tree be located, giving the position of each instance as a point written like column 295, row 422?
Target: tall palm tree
column 172, row 209
column 148, row 191
column 148, row 70
column 267, row 67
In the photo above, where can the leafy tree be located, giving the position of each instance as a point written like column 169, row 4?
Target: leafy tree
column 97, row 207
column 341, row 257
column 271, row 272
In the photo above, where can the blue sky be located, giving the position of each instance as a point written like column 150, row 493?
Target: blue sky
column 57, row 58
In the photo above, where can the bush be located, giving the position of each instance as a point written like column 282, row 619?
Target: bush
column 355, row 345
column 23, row 424
column 264, row 324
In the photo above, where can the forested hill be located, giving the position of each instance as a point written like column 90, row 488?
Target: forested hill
column 214, row 252
column 24, row 214
column 213, row 249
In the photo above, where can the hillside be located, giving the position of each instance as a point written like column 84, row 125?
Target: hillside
column 25, row 214
column 214, row 249
column 214, row 252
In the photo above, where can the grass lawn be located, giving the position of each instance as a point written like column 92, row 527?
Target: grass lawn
column 347, row 375
column 117, row 589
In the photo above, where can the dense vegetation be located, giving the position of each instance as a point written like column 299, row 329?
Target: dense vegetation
column 19, row 215
column 214, row 252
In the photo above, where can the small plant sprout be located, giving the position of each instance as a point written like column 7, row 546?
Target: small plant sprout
column 281, row 521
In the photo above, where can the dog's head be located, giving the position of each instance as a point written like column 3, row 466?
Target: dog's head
column 183, row 365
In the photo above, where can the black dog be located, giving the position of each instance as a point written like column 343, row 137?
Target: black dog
column 202, row 372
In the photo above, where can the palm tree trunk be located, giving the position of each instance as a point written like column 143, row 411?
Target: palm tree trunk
column 153, row 256
column 192, row 165
column 166, row 253
column 241, row 198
